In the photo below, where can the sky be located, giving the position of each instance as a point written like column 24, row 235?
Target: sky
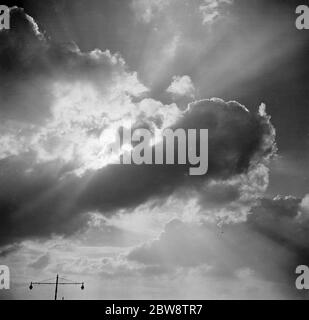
column 73, row 73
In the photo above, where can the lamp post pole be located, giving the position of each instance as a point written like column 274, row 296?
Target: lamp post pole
column 56, row 288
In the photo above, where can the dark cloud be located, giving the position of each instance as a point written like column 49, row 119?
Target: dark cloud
column 271, row 243
column 42, row 202
column 283, row 221
column 237, row 140
column 30, row 63
column 24, row 88
column 37, row 199
column 7, row 250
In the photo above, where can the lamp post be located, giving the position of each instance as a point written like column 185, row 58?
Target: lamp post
column 57, row 283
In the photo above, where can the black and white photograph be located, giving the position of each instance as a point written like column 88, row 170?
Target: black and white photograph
column 154, row 150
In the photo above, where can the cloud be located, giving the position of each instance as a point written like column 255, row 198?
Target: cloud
column 272, row 242
column 7, row 250
column 304, row 206
column 179, row 244
column 55, row 97
column 55, row 168
column 283, row 221
column 41, row 263
column 212, row 9
column 42, row 201
column 35, row 71
column 181, row 86
column 146, row 10
column 231, row 200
